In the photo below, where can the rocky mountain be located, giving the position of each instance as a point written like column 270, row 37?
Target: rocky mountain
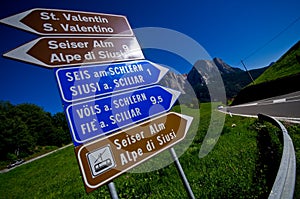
column 235, row 79
column 179, row 82
column 175, row 81
column 207, row 78
column 225, row 68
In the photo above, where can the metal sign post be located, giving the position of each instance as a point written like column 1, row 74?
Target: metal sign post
column 112, row 190
column 182, row 174
column 101, row 100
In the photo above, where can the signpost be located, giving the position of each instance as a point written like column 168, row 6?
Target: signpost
column 54, row 52
column 102, row 160
column 92, row 105
column 94, row 118
column 66, row 22
column 79, row 83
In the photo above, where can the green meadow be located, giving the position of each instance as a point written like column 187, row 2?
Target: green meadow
column 242, row 164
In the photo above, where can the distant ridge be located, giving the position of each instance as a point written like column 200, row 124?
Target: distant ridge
column 287, row 65
column 282, row 77
column 224, row 67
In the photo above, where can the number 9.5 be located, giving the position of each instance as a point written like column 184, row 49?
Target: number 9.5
column 155, row 100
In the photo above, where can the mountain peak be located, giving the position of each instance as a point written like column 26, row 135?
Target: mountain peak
column 204, row 73
column 225, row 68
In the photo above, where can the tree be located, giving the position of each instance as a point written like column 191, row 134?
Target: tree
column 62, row 129
column 16, row 139
column 25, row 126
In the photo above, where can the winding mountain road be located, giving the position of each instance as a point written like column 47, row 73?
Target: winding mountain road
column 284, row 107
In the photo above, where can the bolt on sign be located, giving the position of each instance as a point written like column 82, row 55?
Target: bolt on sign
column 66, row 22
column 103, row 160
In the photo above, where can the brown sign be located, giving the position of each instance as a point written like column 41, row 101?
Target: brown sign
column 66, row 22
column 66, row 51
column 102, row 160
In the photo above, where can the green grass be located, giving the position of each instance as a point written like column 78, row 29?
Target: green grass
column 294, row 132
column 231, row 170
column 55, row 176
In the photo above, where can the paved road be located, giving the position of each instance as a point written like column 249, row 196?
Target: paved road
column 284, row 107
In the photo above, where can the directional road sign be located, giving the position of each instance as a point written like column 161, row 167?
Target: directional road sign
column 102, row 160
column 67, row 51
column 77, row 83
column 66, row 22
column 91, row 119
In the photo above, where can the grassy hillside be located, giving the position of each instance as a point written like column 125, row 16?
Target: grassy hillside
column 287, row 65
column 235, row 167
column 279, row 79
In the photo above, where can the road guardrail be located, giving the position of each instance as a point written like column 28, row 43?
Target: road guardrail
column 284, row 184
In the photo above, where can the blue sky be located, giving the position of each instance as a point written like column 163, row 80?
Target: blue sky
column 257, row 32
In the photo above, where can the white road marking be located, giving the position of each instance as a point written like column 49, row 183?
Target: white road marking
column 279, row 100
